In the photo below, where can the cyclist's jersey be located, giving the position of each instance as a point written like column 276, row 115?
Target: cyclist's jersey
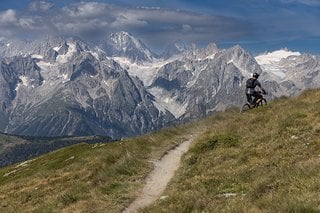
column 251, row 84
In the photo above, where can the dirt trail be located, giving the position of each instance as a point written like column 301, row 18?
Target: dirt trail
column 159, row 178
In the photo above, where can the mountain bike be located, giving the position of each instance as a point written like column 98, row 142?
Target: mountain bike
column 261, row 101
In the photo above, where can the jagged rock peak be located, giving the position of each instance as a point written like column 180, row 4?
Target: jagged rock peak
column 123, row 44
column 208, row 52
column 212, row 47
column 42, row 47
column 237, row 49
column 121, row 39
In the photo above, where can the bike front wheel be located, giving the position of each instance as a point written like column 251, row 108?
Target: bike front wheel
column 261, row 102
column 245, row 107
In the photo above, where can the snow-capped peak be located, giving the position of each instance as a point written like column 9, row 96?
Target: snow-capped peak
column 271, row 62
column 122, row 39
column 125, row 45
column 65, row 57
column 275, row 56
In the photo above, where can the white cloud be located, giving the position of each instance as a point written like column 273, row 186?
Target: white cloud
column 93, row 20
column 8, row 17
column 102, row 17
column 186, row 28
column 77, row 28
column 27, row 23
column 41, row 6
column 87, row 10
column 123, row 21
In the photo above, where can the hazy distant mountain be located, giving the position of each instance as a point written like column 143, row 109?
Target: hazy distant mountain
column 175, row 48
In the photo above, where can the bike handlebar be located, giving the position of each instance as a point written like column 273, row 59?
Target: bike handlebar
column 264, row 93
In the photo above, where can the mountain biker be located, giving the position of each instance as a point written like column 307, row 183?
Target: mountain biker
column 250, row 89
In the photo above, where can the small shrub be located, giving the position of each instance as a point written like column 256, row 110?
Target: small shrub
column 68, row 198
column 207, row 145
column 76, row 193
column 227, row 140
column 192, row 160
column 44, row 209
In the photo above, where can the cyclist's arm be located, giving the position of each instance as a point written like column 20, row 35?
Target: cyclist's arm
column 261, row 88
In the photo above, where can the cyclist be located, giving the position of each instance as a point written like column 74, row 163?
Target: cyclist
column 250, row 89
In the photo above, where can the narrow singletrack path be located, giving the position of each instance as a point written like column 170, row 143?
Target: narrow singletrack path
column 159, row 178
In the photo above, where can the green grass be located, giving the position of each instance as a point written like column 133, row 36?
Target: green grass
column 83, row 177
column 264, row 160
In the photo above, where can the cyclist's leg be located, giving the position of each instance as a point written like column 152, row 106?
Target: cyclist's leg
column 256, row 96
column 249, row 98
column 254, row 99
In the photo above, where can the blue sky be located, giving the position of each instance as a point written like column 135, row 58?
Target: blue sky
column 256, row 25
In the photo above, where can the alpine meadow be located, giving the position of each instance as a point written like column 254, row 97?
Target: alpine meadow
column 264, row 160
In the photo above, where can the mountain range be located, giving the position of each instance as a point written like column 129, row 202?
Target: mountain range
column 64, row 86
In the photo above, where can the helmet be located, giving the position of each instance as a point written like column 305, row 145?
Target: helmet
column 255, row 75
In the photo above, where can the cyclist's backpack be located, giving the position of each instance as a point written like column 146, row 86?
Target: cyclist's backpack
column 250, row 83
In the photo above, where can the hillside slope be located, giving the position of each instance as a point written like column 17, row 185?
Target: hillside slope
column 265, row 160
column 86, row 177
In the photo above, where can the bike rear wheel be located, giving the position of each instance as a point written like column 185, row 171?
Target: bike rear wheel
column 261, row 102
column 245, row 107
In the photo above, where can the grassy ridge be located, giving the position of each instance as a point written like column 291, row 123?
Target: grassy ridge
column 14, row 149
column 265, row 160
column 85, row 177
